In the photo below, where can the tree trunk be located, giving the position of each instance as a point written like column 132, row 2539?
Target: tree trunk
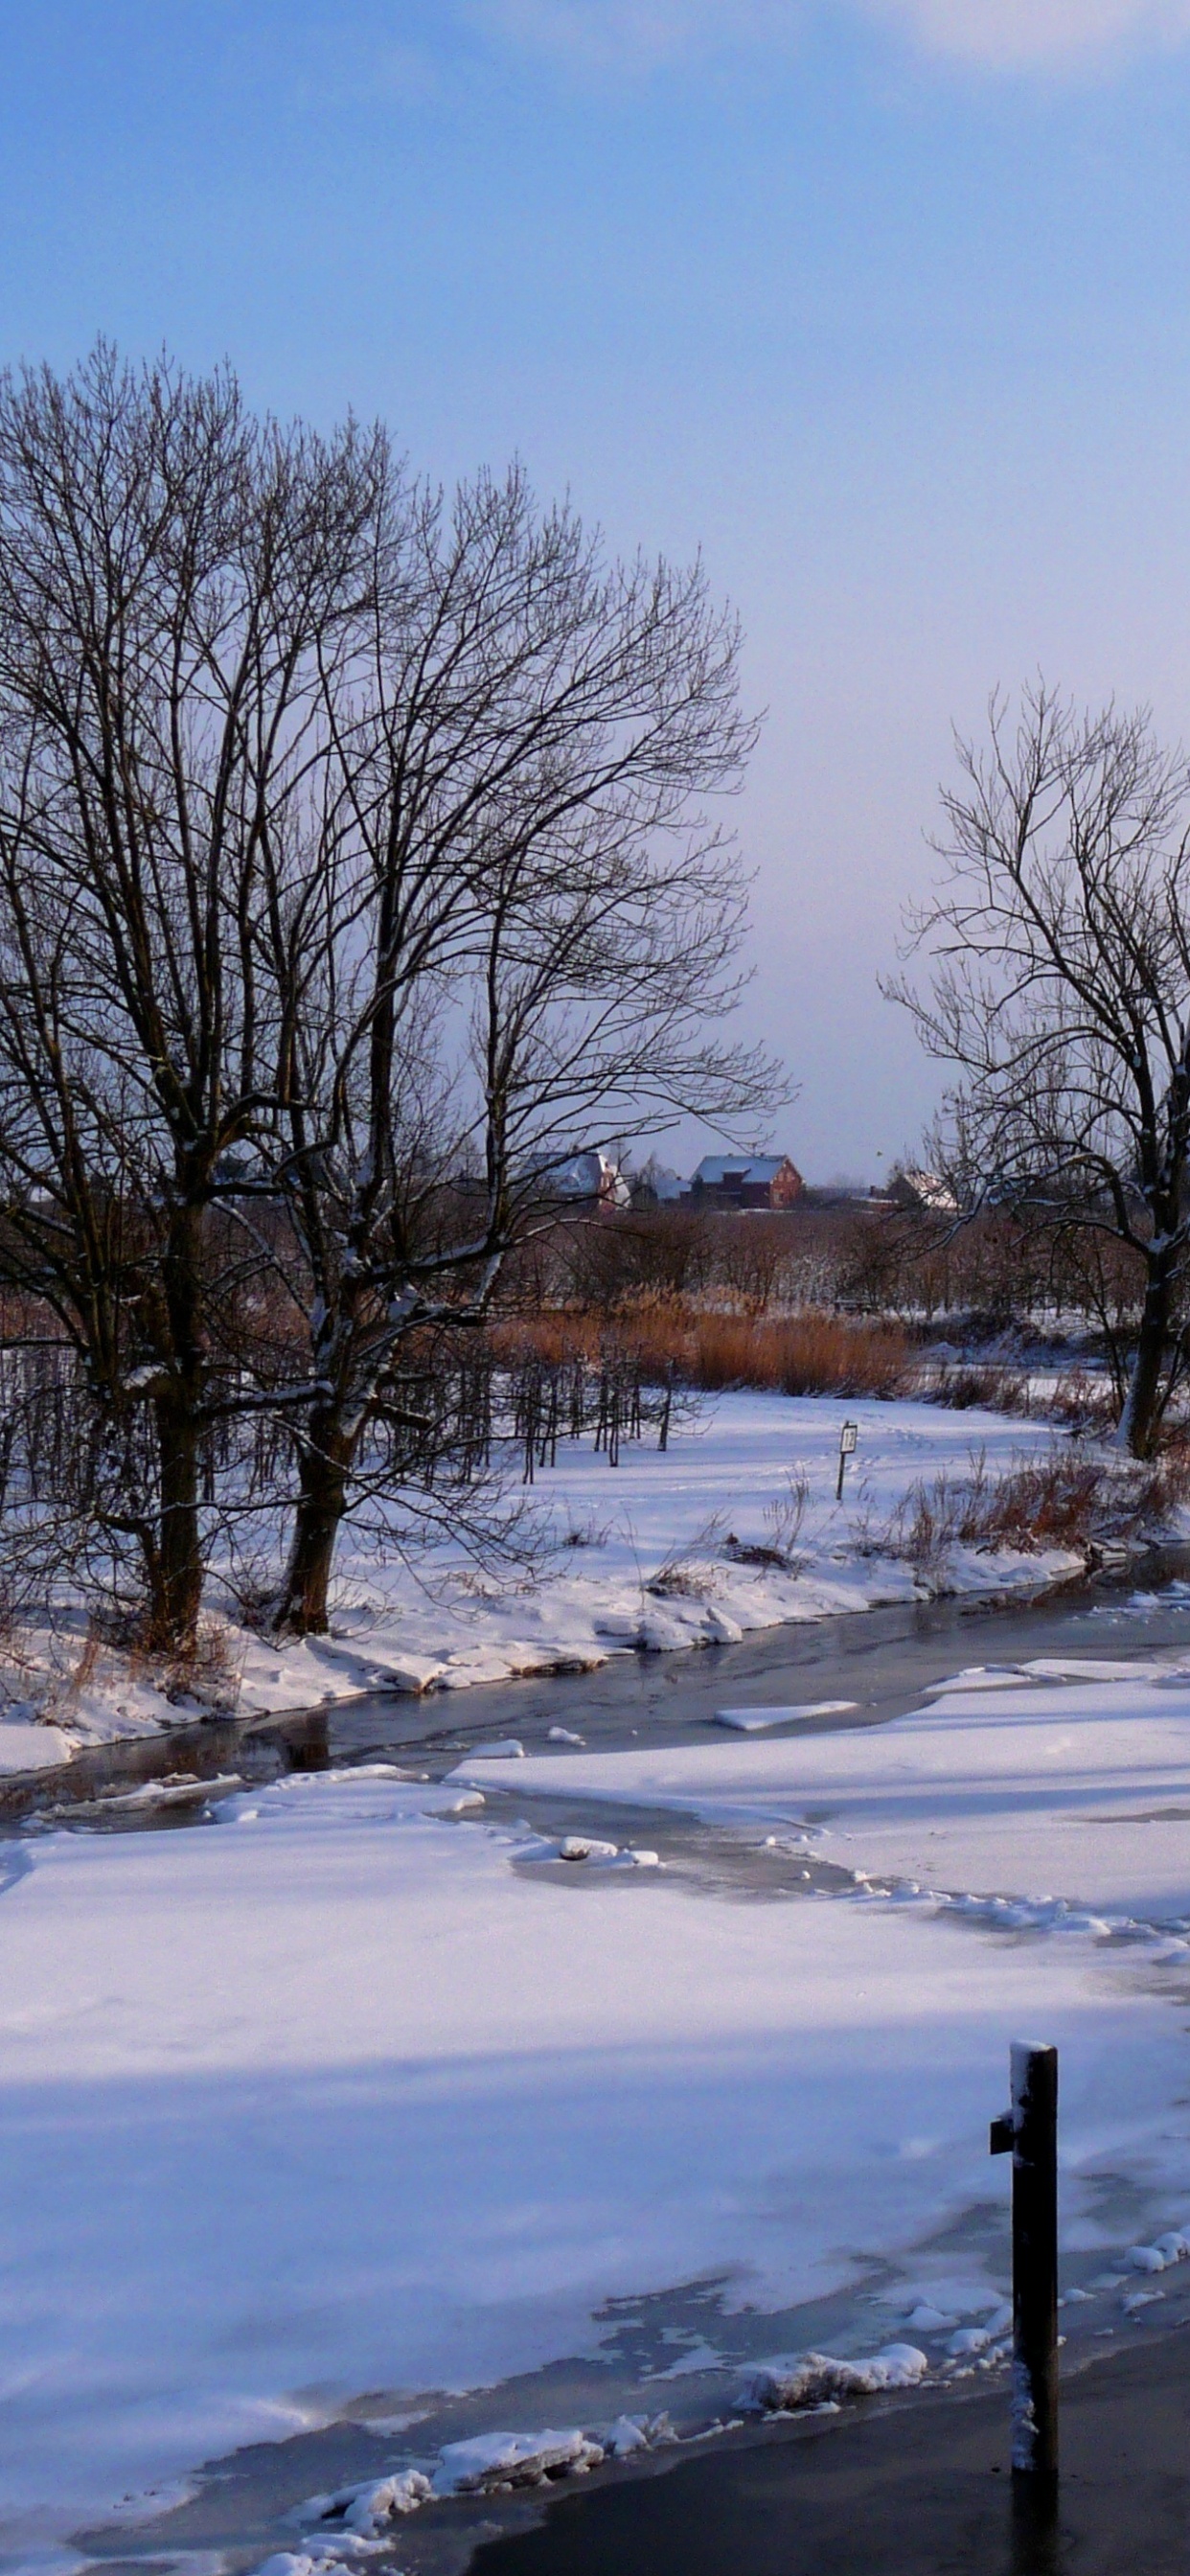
column 318, row 1515
column 176, row 1590
column 1142, row 1404
column 177, row 1577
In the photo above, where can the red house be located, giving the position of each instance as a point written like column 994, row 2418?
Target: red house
column 747, row 1181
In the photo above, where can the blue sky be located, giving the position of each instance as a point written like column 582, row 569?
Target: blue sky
column 885, row 306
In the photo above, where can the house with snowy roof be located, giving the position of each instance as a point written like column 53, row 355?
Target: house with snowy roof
column 921, row 1193
column 747, row 1181
column 587, row 1178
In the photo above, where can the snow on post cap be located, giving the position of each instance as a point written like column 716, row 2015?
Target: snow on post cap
column 1021, row 2050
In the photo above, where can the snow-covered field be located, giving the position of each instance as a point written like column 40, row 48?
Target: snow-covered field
column 436, row 1622
column 355, row 2088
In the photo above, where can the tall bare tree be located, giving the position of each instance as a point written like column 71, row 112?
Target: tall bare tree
column 353, row 868
column 175, row 582
column 1059, row 986
column 512, row 936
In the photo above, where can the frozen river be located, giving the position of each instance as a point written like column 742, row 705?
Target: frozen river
column 357, row 2092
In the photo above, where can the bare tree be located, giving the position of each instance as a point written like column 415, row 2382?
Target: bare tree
column 174, row 581
column 515, row 934
column 353, row 869
column 1059, row 985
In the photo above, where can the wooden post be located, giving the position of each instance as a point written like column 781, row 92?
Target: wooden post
column 1030, row 2132
column 847, row 1440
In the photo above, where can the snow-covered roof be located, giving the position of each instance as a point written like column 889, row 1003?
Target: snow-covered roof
column 589, row 1175
column 714, row 1168
column 927, row 1188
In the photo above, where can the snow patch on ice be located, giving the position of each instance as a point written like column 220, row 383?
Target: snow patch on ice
column 368, row 2507
column 491, row 2461
column 632, row 2433
column 1051, row 1805
column 754, row 1721
column 586, row 1850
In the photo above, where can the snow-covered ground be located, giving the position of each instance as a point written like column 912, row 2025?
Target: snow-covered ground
column 355, row 2088
column 435, row 1622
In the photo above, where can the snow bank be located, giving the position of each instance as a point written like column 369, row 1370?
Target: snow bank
column 654, row 1511
column 492, row 2462
column 778, row 2387
column 438, row 1625
column 485, row 2464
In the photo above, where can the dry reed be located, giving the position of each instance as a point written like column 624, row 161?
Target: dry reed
column 809, row 1354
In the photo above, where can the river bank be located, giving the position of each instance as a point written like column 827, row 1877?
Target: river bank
column 734, row 1529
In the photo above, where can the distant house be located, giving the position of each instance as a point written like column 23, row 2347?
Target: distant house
column 655, row 1185
column 922, row 1194
column 747, row 1181
column 589, row 1179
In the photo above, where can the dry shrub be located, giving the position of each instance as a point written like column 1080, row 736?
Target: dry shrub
column 1163, row 1486
column 993, row 1390
column 682, row 1583
column 783, row 1519
column 685, row 1575
column 1058, row 1500
column 1064, row 1498
column 1052, row 1501
column 212, row 1673
column 1082, row 1402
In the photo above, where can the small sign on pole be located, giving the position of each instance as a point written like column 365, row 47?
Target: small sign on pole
column 848, row 1437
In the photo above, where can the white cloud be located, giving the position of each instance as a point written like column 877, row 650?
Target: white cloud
column 1011, row 33
column 1001, row 34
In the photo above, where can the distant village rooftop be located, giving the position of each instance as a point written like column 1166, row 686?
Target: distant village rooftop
column 747, row 1180
column 923, row 1193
